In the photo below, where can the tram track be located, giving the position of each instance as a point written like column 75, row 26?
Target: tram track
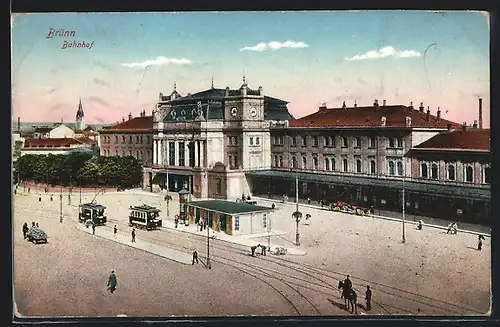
column 324, row 278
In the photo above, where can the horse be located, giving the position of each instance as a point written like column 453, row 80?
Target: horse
column 350, row 297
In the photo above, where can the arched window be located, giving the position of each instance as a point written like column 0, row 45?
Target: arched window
column 358, row 166
column 344, row 142
column 327, row 164
column 275, row 161
column 303, row 140
column 281, row 161
column 487, row 176
column 451, row 172
column 424, row 171
column 373, row 167
column 315, row 163
column 344, row 164
column 434, row 171
column 333, row 163
column 357, row 142
column 400, row 168
column 469, row 174
column 391, row 168
column 294, row 162
column 304, row 163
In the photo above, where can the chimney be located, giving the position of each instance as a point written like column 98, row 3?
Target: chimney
column 383, row 103
column 18, row 124
column 448, row 127
column 355, row 104
column 475, row 124
column 411, row 105
column 428, row 114
column 480, row 113
column 322, row 107
column 227, row 91
column 343, row 105
column 421, row 108
column 129, row 116
column 383, row 121
column 123, row 120
column 261, row 92
column 375, row 104
column 439, row 114
column 464, row 126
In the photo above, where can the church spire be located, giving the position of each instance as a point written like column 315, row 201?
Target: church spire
column 244, row 79
column 175, row 87
column 212, row 86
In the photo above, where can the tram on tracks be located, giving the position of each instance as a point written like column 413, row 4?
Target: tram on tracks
column 144, row 217
column 92, row 213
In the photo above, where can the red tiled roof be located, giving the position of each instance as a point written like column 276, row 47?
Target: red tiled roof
column 370, row 117
column 473, row 139
column 135, row 124
column 59, row 142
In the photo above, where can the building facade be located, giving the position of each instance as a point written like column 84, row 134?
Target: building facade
column 207, row 140
column 55, row 146
column 133, row 137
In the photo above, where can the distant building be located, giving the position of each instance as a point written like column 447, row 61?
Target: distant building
column 55, row 146
column 17, row 145
column 132, row 137
column 80, row 124
column 61, row 131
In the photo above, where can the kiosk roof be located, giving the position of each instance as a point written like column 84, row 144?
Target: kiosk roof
column 227, row 207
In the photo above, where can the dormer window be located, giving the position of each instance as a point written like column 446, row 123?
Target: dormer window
column 315, row 141
column 344, row 142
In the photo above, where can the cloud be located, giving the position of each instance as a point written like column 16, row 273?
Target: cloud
column 384, row 53
column 159, row 61
column 275, row 45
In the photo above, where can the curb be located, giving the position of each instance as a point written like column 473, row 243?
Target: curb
column 381, row 217
column 129, row 245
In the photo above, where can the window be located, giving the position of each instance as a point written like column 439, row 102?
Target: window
column 357, row 142
column 400, row 168
column 373, row 165
column 218, row 186
column 123, row 139
column 344, row 142
column 315, row 163
column 116, row 138
column 487, row 176
column 294, row 162
column 171, row 153
column 391, row 168
column 141, row 153
column 303, row 141
column 275, row 140
column 116, row 152
column 236, row 223
column 400, row 142
column 281, row 161
column 236, row 163
column 332, row 164
column 315, row 141
column 182, row 154
column 424, row 171
column 293, row 141
column 327, row 164
column 142, row 139
column 391, row 142
column 304, row 162
column 469, row 174
column 344, row 164
column 123, row 153
column 137, row 139
column 372, row 143
column 451, row 172
column 264, row 221
column 434, row 171
column 230, row 157
column 130, row 139
column 358, row 166
column 332, row 141
column 275, row 161
column 251, row 141
column 326, row 141
column 257, row 140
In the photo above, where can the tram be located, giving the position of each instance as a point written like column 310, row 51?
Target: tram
column 92, row 213
column 144, row 217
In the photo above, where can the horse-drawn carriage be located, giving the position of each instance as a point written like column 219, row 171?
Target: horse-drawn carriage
column 92, row 213
column 352, row 209
column 144, row 217
column 36, row 235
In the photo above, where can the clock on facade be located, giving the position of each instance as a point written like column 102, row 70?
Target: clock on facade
column 253, row 112
column 234, row 112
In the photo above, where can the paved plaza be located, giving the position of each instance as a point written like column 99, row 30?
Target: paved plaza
column 432, row 273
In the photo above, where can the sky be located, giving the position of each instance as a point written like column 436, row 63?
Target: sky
column 306, row 58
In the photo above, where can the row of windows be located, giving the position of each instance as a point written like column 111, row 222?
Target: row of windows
column 329, row 164
column 328, row 141
column 232, row 140
column 431, row 171
column 257, row 140
column 138, row 139
column 233, row 161
column 136, row 154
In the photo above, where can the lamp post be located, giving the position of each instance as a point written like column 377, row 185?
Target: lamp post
column 404, row 210
column 297, row 214
column 269, row 232
column 61, row 204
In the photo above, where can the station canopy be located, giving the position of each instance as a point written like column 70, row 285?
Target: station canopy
column 227, row 207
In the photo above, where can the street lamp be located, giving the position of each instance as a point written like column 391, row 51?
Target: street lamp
column 61, row 203
column 269, row 231
column 297, row 214
column 404, row 210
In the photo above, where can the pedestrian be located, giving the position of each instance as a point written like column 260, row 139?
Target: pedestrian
column 480, row 239
column 115, row 230
column 273, row 206
column 455, row 228
column 36, row 225
column 308, row 200
column 449, row 228
column 33, row 225
column 195, row 257
column 368, row 298
column 29, row 190
column 253, row 248
column 25, row 230
column 51, row 197
column 112, row 282
column 347, row 283
column 268, row 195
column 15, row 191
column 263, row 249
column 204, row 224
column 39, row 198
column 420, row 224
column 176, row 221
column 93, row 228
column 133, row 235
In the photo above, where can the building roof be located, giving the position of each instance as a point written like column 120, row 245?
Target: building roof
column 56, row 142
column 145, row 207
column 92, row 206
column 472, row 139
column 43, row 129
column 227, row 207
column 395, row 116
column 135, row 124
column 31, row 126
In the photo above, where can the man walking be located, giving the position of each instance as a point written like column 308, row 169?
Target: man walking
column 115, row 230
column 480, row 239
column 133, row 235
column 112, row 282
column 195, row 257
column 368, row 298
column 93, row 228
column 25, row 230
